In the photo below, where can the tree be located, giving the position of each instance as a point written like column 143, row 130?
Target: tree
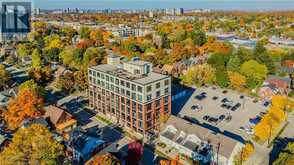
column 237, row 81
column 4, row 76
column 33, row 145
column 66, row 82
column 262, row 57
column 254, row 72
column 234, row 64
column 26, row 105
column 279, row 101
column 23, row 50
column 286, row 156
column 32, row 86
column 85, row 32
column 218, row 60
column 171, row 162
column 244, row 154
column 36, row 59
column 135, row 152
column 244, row 54
column 106, row 159
column 198, row 35
column 200, row 75
column 222, row 78
column 93, row 56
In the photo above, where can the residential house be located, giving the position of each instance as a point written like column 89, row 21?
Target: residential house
column 7, row 94
column 199, row 143
column 82, row 146
column 60, row 120
column 274, row 85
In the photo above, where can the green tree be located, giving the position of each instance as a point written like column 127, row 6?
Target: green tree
column 222, row 78
column 254, row 72
column 32, row 86
column 200, row 75
column 4, row 76
column 93, row 55
column 85, row 32
column 234, row 64
column 23, row 50
column 244, row 54
column 218, row 60
column 32, row 145
column 36, row 59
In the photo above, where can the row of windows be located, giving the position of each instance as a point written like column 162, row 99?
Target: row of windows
column 157, row 85
column 116, row 81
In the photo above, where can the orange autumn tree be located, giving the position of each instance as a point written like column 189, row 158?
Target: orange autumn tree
column 171, row 162
column 26, row 105
column 104, row 159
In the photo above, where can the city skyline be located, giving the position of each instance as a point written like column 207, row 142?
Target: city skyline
column 187, row 4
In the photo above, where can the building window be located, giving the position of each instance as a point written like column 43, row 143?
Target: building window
column 165, row 99
column 107, row 78
column 102, row 76
column 127, row 84
column 111, row 79
column 128, row 93
column 122, row 91
column 157, row 93
column 149, row 106
column 90, row 72
column 133, row 87
column 157, row 103
column 116, row 81
column 140, row 98
column 166, row 82
column 149, row 97
column 140, row 109
column 140, row 89
column 122, row 83
column 166, row 108
column 98, row 74
column 166, row 90
column 157, row 85
column 149, row 88
column 134, row 96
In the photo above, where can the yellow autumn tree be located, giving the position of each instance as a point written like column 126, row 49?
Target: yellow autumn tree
column 279, row 101
column 244, row 154
column 237, row 81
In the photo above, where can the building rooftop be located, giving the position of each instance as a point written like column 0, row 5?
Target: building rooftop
column 121, row 73
column 227, row 144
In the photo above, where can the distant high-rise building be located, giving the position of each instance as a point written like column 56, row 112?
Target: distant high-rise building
column 15, row 20
column 130, row 94
column 151, row 15
column 179, row 11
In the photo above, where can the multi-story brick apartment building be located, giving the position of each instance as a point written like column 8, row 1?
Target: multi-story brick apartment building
column 130, row 94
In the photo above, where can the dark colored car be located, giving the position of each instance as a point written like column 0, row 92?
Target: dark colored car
column 266, row 103
column 241, row 97
column 238, row 105
column 228, row 118
column 234, row 108
column 225, row 91
column 203, row 93
column 212, row 120
column 225, row 100
column 228, row 107
column 223, row 105
column 205, row 117
column 221, row 117
column 214, row 98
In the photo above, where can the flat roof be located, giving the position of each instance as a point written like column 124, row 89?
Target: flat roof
column 121, row 73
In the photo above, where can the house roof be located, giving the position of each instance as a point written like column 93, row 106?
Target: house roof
column 55, row 114
column 227, row 144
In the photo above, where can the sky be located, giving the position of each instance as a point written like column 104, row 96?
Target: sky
column 152, row 4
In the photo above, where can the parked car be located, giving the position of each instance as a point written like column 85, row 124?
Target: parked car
column 229, row 118
column 200, row 97
column 223, row 105
column 221, row 117
column 214, row 98
column 242, row 97
column 266, row 103
column 206, row 117
column 212, row 120
column 255, row 120
column 250, row 132
column 225, row 100
column 225, row 91
column 262, row 114
column 196, row 107
column 203, row 93
column 241, row 129
column 235, row 107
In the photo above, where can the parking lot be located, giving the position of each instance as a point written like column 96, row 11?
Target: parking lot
column 223, row 110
